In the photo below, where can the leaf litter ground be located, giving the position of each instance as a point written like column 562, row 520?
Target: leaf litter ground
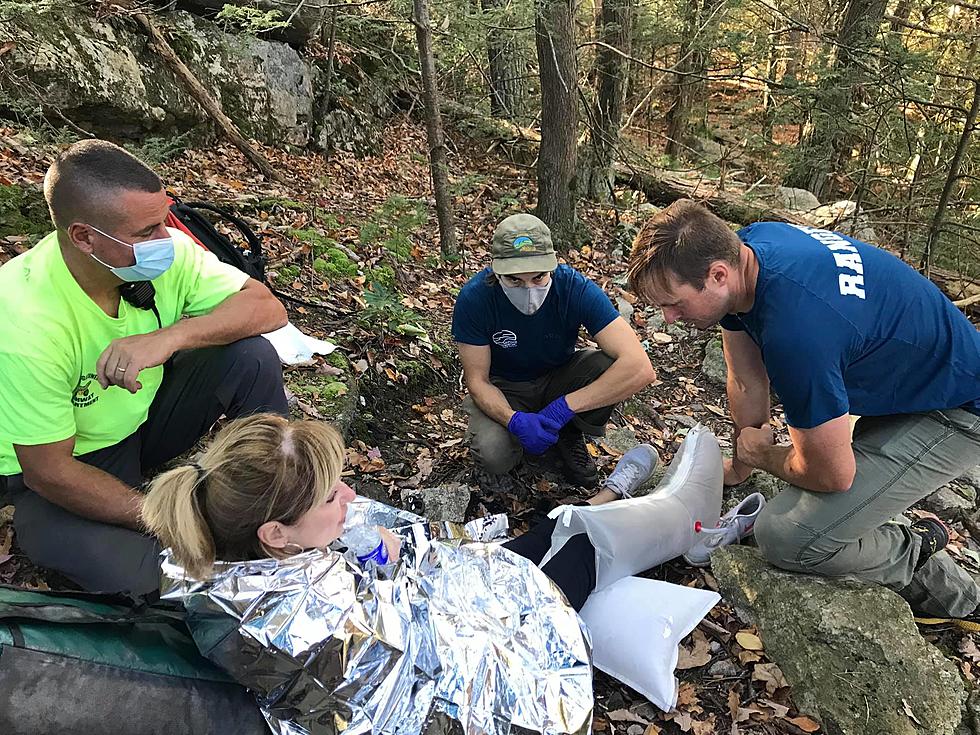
column 353, row 244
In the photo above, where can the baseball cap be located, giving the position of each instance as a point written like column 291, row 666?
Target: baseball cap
column 522, row 244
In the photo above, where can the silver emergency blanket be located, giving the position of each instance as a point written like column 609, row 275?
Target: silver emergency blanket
column 457, row 636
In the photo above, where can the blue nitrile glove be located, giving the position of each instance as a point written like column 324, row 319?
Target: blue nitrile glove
column 535, row 432
column 558, row 411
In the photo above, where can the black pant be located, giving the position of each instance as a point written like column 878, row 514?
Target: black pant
column 198, row 387
column 572, row 568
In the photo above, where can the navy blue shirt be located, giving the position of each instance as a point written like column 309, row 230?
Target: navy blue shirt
column 526, row 347
column 845, row 327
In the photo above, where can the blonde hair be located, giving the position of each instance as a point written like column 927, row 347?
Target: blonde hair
column 682, row 241
column 256, row 469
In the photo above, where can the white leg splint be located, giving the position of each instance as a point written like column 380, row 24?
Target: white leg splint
column 635, row 534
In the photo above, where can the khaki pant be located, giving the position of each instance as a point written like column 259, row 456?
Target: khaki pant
column 496, row 449
column 861, row 532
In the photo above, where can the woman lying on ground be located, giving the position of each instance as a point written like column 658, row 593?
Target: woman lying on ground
column 468, row 631
column 269, row 487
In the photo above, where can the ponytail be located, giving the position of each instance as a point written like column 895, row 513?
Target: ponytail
column 173, row 512
column 256, row 469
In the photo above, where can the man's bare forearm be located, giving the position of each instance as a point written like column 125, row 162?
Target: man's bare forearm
column 783, row 461
column 247, row 313
column 491, row 401
column 91, row 493
column 624, row 378
column 749, row 406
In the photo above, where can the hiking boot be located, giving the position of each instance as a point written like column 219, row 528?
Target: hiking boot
column 579, row 467
column 934, row 535
column 633, row 469
column 732, row 527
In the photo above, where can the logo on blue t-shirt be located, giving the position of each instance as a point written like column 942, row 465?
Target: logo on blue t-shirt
column 505, row 338
column 846, row 256
column 522, row 241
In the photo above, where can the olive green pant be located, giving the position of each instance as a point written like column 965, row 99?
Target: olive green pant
column 495, row 449
column 861, row 532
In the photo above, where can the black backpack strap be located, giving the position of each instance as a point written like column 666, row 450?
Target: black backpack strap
column 250, row 261
column 254, row 242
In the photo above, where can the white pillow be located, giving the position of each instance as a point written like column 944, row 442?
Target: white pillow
column 636, row 625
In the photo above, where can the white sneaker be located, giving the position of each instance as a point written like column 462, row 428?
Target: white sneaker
column 732, row 527
column 633, row 469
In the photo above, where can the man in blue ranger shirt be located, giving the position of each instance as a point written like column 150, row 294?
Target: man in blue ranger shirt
column 516, row 325
column 836, row 327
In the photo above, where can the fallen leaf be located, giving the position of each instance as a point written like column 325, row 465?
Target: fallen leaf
column 777, row 709
column 704, row 727
column 733, row 702
column 805, row 723
column 770, row 674
column 309, row 410
column 684, row 721
column 662, row 338
column 749, row 657
column 697, row 655
column 652, row 730
column 967, row 646
column 686, row 695
column 749, row 640
column 624, row 715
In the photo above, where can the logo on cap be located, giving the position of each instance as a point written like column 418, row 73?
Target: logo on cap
column 522, row 241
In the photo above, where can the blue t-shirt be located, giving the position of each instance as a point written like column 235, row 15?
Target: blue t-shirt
column 845, row 327
column 526, row 347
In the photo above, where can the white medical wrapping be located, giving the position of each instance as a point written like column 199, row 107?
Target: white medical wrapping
column 635, row 534
column 636, row 625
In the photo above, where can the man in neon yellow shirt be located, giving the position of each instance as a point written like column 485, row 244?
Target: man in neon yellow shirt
column 94, row 391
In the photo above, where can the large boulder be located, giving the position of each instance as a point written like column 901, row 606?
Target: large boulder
column 846, row 218
column 972, row 478
column 796, row 199
column 101, row 74
column 951, row 500
column 443, row 503
column 850, row 651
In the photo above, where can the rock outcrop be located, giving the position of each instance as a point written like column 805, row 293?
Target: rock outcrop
column 850, row 650
column 101, row 74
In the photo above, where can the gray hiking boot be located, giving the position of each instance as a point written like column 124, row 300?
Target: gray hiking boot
column 633, row 469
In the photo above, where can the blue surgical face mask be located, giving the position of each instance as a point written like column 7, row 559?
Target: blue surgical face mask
column 153, row 258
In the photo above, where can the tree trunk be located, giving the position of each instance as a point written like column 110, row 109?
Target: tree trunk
column 827, row 147
column 506, row 82
column 935, row 229
column 204, row 99
column 614, row 27
column 433, row 129
column 692, row 63
column 555, row 42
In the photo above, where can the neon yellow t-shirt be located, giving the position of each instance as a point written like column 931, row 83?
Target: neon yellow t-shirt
column 52, row 334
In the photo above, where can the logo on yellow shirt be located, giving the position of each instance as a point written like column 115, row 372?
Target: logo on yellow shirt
column 82, row 395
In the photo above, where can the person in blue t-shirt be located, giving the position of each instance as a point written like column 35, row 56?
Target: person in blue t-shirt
column 837, row 328
column 516, row 324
